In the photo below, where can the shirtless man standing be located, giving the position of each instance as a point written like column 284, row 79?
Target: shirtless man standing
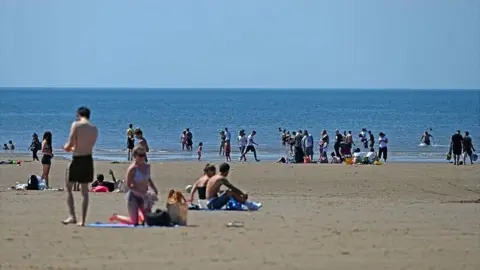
column 81, row 140
column 217, row 199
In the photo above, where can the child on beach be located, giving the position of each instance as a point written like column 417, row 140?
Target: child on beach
column 199, row 151
column 335, row 159
column 227, row 151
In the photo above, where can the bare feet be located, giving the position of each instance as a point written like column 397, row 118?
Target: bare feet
column 69, row 220
column 81, row 224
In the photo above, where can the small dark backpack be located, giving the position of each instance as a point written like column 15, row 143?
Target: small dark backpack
column 32, row 183
column 158, row 218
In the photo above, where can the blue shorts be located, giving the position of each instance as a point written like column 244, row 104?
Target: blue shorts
column 219, row 202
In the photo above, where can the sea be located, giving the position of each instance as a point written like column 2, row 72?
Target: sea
column 403, row 115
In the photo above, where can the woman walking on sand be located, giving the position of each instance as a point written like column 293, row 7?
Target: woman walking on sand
column 35, row 146
column 47, row 152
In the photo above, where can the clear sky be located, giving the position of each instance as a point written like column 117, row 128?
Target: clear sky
column 241, row 43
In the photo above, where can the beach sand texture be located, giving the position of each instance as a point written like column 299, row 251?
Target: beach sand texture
column 394, row 216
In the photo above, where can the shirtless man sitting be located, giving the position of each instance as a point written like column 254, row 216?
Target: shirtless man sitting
column 217, row 199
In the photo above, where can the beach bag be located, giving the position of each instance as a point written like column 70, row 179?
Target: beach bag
column 32, row 183
column 177, row 207
column 158, row 218
column 234, row 205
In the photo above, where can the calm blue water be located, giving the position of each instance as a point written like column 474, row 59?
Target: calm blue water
column 162, row 114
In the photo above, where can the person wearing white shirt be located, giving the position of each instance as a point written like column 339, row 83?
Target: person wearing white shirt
column 251, row 146
column 371, row 156
column 383, row 143
column 228, row 135
column 242, row 143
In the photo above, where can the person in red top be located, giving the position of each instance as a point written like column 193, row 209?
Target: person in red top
column 227, row 150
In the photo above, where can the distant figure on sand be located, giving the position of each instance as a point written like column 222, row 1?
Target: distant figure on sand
column 12, row 146
column 426, row 138
column 82, row 138
column 456, row 147
column 130, row 141
column 138, row 181
column 35, row 146
column 468, row 148
column 383, row 143
column 250, row 146
column 47, row 151
column 217, row 199
column 223, row 137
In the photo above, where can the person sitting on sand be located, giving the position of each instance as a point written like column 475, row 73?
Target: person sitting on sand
column 200, row 185
column 358, row 156
column 335, row 159
column 371, row 156
column 324, row 158
column 111, row 185
column 138, row 182
column 217, row 200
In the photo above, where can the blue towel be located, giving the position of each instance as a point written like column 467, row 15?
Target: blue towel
column 119, row 225
column 232, row 205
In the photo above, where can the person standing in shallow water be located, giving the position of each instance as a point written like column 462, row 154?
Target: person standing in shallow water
column 468, row 148
column 130, row 141
column 383, row 150
column 456, row 147
column 82, row 138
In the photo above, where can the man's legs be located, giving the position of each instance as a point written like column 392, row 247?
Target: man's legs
column 84, row 189
column 70, row 204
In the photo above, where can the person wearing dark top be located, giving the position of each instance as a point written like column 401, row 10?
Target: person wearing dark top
column 35, row 146
column 200, row 185
column 372, row 138
column 338, row 142
column 101, row 182
column 468, row 148
column 456, row 147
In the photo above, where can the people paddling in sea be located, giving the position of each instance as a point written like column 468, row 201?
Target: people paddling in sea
column 426, row 138
column 223, row 137
column 12, row 146
column 251, row 146
column 142, row 141
column 242, row 144
column 183, row 139
column 139, row 181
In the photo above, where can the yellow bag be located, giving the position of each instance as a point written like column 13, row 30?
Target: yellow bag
column 177, row 207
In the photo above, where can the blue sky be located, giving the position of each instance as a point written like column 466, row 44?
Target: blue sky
column 431, row 44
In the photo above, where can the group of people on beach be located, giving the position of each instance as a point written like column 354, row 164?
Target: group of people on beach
column 301, row 145
column 9, row 147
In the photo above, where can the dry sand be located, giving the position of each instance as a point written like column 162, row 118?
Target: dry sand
column 394, row 216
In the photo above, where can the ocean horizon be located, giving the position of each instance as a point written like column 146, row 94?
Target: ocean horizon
column 164, row 113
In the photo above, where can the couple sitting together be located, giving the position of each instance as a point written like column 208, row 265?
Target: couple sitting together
column 209, row 188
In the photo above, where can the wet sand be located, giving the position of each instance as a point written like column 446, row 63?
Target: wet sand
column 394, row 216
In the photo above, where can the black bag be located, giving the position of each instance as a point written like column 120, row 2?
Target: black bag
column 32, row 183
column 158, row 218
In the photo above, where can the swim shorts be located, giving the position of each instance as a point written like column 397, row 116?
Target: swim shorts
column 81, row 169
column 47, row 160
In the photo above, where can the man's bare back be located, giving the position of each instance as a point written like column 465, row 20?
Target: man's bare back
column 84, row 137
column 214, row 184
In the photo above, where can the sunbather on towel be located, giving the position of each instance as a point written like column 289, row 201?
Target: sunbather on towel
column 217, row 199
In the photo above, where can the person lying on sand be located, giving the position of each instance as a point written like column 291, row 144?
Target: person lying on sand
column 201, row 184
column 217, row 199
column 111, row 185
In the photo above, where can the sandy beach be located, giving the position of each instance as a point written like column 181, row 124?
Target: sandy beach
column 394, row 216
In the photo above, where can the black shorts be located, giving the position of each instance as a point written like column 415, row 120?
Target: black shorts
column 189, row 142
column 81, row 169
column 383, row 151
column 47, row 160
column 130, row 143
column 250, row 148
column 457, row 150
column 468, row 152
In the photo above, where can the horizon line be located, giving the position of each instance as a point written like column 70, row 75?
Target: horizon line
column 228, row 88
